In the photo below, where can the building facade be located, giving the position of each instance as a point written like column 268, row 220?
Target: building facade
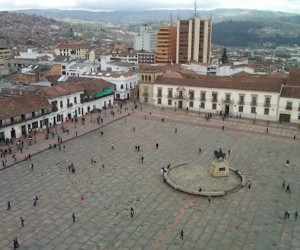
column 146, row 39
column 193, row 40
column 166, row 45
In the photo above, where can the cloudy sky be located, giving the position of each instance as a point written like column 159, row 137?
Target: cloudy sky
column 292, row 6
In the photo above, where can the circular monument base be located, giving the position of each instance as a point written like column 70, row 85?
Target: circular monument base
column 195, row 179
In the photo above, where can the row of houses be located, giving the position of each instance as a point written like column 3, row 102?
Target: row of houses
column 25, row 108
column 269, row 97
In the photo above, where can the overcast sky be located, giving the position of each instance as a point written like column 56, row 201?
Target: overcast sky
column 292, row 6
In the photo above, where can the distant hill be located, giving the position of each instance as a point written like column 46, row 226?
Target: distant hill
column 231, row 27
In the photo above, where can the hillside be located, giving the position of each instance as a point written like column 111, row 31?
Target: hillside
column 231, row 27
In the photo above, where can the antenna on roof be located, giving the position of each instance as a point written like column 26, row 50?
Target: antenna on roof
column 195, row 8
column 171, row 18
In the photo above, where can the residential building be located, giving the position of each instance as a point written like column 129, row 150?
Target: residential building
column 34, row 55
column 5, row 52
column 77, row 69
column 146, row 57
column 193, row 40
column 146, row 39
column 110, row 64
column 166, row 45
column 75, row 51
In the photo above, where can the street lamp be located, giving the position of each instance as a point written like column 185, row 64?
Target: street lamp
column 175, row 106
column 199, row 109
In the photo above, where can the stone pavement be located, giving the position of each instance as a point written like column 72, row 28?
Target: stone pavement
column 249, row 219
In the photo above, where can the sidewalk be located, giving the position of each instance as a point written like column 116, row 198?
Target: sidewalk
column 40, row 143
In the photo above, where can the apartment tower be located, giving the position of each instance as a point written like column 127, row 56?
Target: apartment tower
column 193, row 40
column 166, row 45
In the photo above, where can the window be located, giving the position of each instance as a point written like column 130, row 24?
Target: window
column 289, row 105
column 241, row 109
column 159, row 101
column 159, row 92
column 202, row 96
column 61, row 104
column 241, row 100
column 75, row 100
column 202, row 105
column 267, row 101
column 214, row 106
column 28, row 115
column 169, row 102
column 180, row 94
column 170, row 94
column 37, row 113
column 6, row 121
column 254, row 101
column 191, row 104
column 214, row 97
column 122, row 86
column 227, row 97
column 266, row 111
column 191, row 95
column 253, row 110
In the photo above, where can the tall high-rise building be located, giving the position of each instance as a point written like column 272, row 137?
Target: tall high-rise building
column 166, row 45
column 193, row 40
column 145, row 39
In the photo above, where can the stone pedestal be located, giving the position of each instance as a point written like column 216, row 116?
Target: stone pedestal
column 219, row 168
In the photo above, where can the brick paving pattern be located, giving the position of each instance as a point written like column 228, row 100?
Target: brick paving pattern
column 248, row 219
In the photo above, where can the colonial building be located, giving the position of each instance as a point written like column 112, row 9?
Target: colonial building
column 256, row 97
column 26, row 108
column 75, row 51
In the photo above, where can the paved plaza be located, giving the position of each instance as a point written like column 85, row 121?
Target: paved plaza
column 248, row 219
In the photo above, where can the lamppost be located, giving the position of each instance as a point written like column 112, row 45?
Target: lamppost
column 199, row 109
column 175, row 106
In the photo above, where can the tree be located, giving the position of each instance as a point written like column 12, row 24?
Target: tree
column 224, row 57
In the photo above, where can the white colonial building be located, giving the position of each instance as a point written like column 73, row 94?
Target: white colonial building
column 256, row 97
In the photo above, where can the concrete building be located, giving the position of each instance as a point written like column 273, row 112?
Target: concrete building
column 146, row 39
column 193, row 40
column 145, row 57
column 166, row 45
column 75, row 51
column 111, row 64
column 34, row 55
column 77, row 69
column 5, row 52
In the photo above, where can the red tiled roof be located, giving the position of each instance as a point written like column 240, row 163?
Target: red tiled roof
column 60, row 89
column 248, row 84
column 290, row 92
column 19, row 105
column 294, row 78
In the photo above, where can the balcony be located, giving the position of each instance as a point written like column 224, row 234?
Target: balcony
column 202, row 99
column 288, row 108
column 170, row 96
column 191, row 98
column 159, row 95
column 227, row 101
column 253, row 103
column 70, row 105
column 241, row 102
column 180, row 97
column 267, row 105
column 145, row 94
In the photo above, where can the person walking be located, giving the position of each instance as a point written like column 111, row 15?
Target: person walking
column 8, row 205
column 156, row 145
column 288, row 189
column 73, row 217
column 138, row 147
column 209, row 197
column 22, row 221
column 249, row 184
column 82, row 199
column 181, row 234
column 16, row 243
column 142, row 159
column 296, row 214
column 283, row 185
column 131, row 212
column 112, row 146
